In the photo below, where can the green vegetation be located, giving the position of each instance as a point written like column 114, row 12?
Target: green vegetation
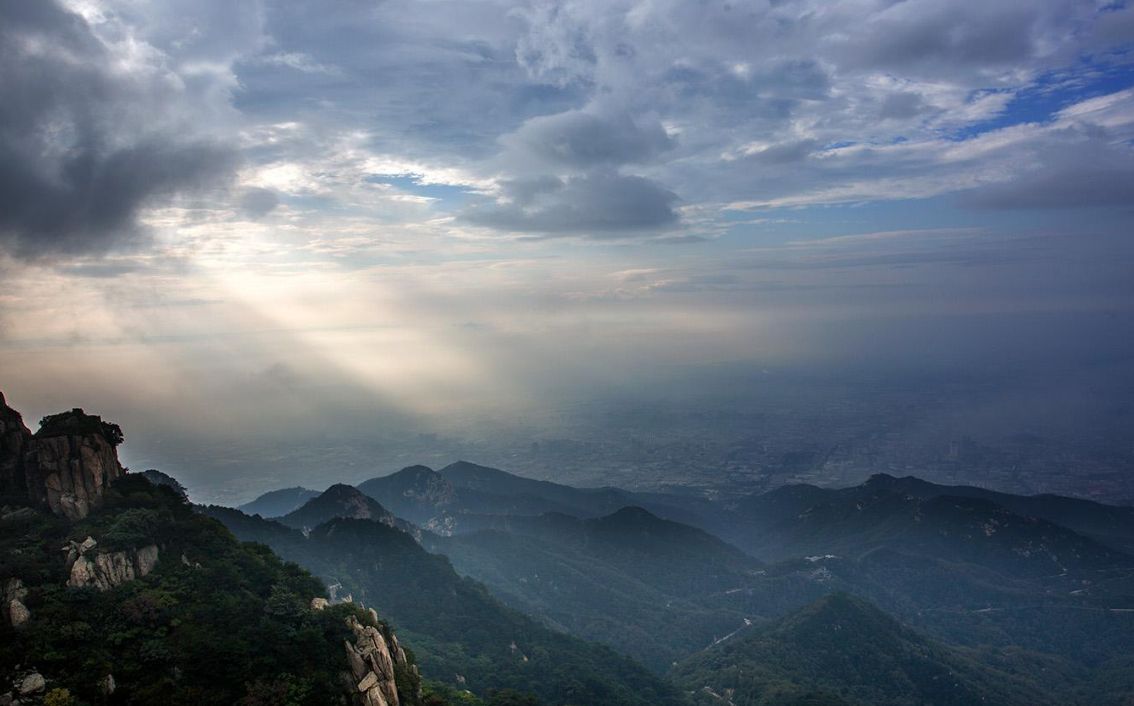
column 648, row 587
column 844, row 649
column 76, row 423
column 216, row 622
column 463, row 637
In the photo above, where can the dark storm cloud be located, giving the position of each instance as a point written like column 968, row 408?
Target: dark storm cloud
column 600, row 205
column 75, row 163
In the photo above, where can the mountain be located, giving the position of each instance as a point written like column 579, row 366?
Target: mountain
column 539, row 496
column 962, row 568
column 841, row 648
column 416, row 493
column 1109, row 524
column 426, row 497
column 462, row 636
column 277, row 503
column 155, row 603
column 796, row 521
column 669, row 555
column 150, row 602
column 630, row 579
column 465, row 497
column 337, row 501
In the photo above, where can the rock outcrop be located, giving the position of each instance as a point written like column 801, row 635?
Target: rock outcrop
column 32, row 684
column 72, row 461
column 374, row 657
column 14, row 608
column 105, row 570
column 64, row 467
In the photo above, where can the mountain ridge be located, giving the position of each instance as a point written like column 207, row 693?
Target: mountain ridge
column 843, row 645
column 338, row 500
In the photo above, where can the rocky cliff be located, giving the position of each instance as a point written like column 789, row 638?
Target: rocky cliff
column 105, row 570
column 65, row 467
column 375, row 659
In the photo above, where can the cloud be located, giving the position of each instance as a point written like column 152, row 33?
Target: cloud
column 598, row 205
column 782, row 153
column 257, row 202
column 581, row 140
column 87, row 138
column 901, row 105
column 931, row 37
column 561, row 175
column 557, row 48
column 535, row 106
column 1075, row 170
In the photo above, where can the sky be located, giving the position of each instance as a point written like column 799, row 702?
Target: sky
column 256, row 219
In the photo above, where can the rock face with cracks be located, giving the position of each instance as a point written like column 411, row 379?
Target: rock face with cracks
column 105, row 570
column 65, row 467
column 374, row 657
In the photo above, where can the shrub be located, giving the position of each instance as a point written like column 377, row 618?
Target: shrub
column 58, row 697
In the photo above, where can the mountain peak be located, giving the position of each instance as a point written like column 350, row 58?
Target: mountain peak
column 276, row 503
column 417, row 470
column 339, row 500
column 410, row 491
column 633, row 513
column 840, row 605
column 463, row 469
column 910, row 484
column 342, row 490
column 462, row 464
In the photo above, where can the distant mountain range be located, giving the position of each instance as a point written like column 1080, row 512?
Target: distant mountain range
column 798, row 521
column 813, row 519
column 968, row 569
column 278, row 502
